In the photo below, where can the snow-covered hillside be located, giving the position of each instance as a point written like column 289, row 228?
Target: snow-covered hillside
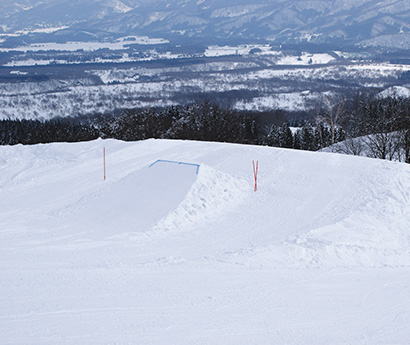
column 369, row 22
column 167, row 253
column 396, row 91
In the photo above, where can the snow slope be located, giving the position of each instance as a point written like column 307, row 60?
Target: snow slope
column 396, row 91
column 159, row 254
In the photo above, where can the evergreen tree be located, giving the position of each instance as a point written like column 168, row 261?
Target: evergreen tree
column 297, row 141
column 286, row 136
column 307, row 137
column 322, row 136
column 273, row 137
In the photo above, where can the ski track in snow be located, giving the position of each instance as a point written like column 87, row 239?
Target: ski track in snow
column 161, row 255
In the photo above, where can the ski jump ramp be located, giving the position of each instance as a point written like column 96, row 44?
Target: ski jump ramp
column 162, row 161
column 138, row 201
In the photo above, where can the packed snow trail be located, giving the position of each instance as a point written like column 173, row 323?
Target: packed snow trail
column 159, row 255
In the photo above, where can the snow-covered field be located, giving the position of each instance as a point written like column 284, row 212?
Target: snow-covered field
column 88, row 46
column 159, row 254
column 285, row 101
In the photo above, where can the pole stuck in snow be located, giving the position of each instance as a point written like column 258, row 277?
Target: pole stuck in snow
column 255, row 174
column 104, row 162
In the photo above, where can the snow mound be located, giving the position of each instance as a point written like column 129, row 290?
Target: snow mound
column 212, row 194
column 346, row 244
column 373, row 233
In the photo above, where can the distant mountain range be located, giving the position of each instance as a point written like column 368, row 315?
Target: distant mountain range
column 383, row 23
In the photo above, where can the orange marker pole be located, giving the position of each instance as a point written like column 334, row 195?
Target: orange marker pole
column 104, row 162
column 255, row 174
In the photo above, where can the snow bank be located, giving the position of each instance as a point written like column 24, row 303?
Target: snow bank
column 369, row 229
column 357, row 241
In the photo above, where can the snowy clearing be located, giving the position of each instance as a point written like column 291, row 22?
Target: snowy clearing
column 294, row 101
column 119, row 44
column 158, row 254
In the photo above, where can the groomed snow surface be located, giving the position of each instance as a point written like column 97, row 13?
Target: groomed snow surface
column 161, row 255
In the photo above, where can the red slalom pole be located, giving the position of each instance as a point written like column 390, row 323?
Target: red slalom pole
column 104, row 162
column 255, row 174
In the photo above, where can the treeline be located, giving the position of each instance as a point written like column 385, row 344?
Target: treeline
column 28, row 132
column 383, row 122
column 305, row 136
column 209, row 122
column 204, row 121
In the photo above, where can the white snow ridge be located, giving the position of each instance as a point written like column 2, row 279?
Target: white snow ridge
column 158, row 254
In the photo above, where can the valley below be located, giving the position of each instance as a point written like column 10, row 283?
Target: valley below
column 245, row 77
